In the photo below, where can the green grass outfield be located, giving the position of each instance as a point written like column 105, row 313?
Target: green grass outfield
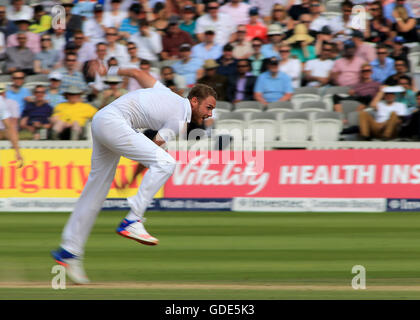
column 220, row 255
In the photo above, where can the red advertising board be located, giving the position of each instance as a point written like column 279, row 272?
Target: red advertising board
column 373, row 173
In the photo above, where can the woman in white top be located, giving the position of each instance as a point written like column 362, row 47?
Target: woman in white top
column 292, row 67
column 115, row 16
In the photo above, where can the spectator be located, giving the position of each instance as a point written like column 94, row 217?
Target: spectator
column 58, row 39
column 213, row 79
column 257, row 58
column 412, row 127
column 42, row 21
column 317, row 71
column 207, row 49
column 221, row 23
column 33, row 39
column 273, row 85
column 190, row 68
column 383, row 66
column 12, row 108
column 18, row 11
column 146, row 67
column 265, row 7
column 93, row 69
column 172, row 39
column 387, row 120
column 302, row 44
column 241, row 85
column 408, row 97
column 19, row 57
column 16, row 91
column 318, row 20
column 85, row 49
column 342, row 24
column 70, row 48
column 70, row 75
column 322, row 37
column 346, row 70
column 115, row 16
column 149, row 42
column 113, row 92
column 115, row 49
column 53, row 96
column 48, row 59
column 405, row 25
column 399, row 51
column 242, row 49
column 227, row 63
column 290, row 66
column 161, row 14
column 378, row 28
column 389, row 9
column 296, row 10
column 255, row 28
column 401, row 69
column 71, row 115
column 305, row 19
column 7, row 26
column 188, row 22
column 83, row 8
column 133, row 59
column 167, row 74
column 73, row 21
column 237, row 10
column 363, row 92
column 94, row 28
column 129, row 26
column 364, row 50
column 279, row 16
column 36, row 115
column 275, row 37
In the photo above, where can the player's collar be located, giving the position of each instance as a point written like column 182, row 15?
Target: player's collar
column 188, row 107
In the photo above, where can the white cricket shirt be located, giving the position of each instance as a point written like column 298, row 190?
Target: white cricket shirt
column 156, row 108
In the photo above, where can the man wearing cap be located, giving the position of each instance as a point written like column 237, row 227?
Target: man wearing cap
column 237, row 10
column 172, row 39
column 72, row 114
column 188, row 67
column 211, row 78
column 386, row 121
column 364, row 50
column 19, row 57
column 383, row 66
column 94, row 28
column 273, row 85
column 255, row 27
column 53, row 95
column 113, row 92
column 221, row 23
column 11, row 129
column 33, row 39
column 207, row 49
column 149, row 42
column 227, row 63
column 346, row 70
column 275, row 35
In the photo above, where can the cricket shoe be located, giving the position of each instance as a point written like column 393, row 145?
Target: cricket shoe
column 73, row 265
column 134, row 229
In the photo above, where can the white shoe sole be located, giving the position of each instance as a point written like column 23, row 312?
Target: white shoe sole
column 148, row 240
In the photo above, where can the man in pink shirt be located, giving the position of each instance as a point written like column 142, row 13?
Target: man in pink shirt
column 33, row 39
column 363, row 50
column 237, row 11
column 346, row 70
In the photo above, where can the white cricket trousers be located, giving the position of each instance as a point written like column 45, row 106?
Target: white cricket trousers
column 113, row 137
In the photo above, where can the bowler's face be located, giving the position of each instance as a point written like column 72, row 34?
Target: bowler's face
column 203, row 110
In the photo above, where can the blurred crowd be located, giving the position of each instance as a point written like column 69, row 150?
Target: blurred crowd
column 261, row 50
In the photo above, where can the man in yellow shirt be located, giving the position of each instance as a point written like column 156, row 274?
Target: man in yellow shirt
column 72, row 114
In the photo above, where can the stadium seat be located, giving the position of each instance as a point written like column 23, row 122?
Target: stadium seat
column 294, row 126
column 310, row 90
column 326, row 126
column 349, row 106
column 280, row 106
column 336, row 90
column 37, row 78
column 31, row 85
column 231, row 121
column 298, row 99
column 353, row 118
column 248, row 105
column 5, row 78
column 313, row 106
column 224, row 105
